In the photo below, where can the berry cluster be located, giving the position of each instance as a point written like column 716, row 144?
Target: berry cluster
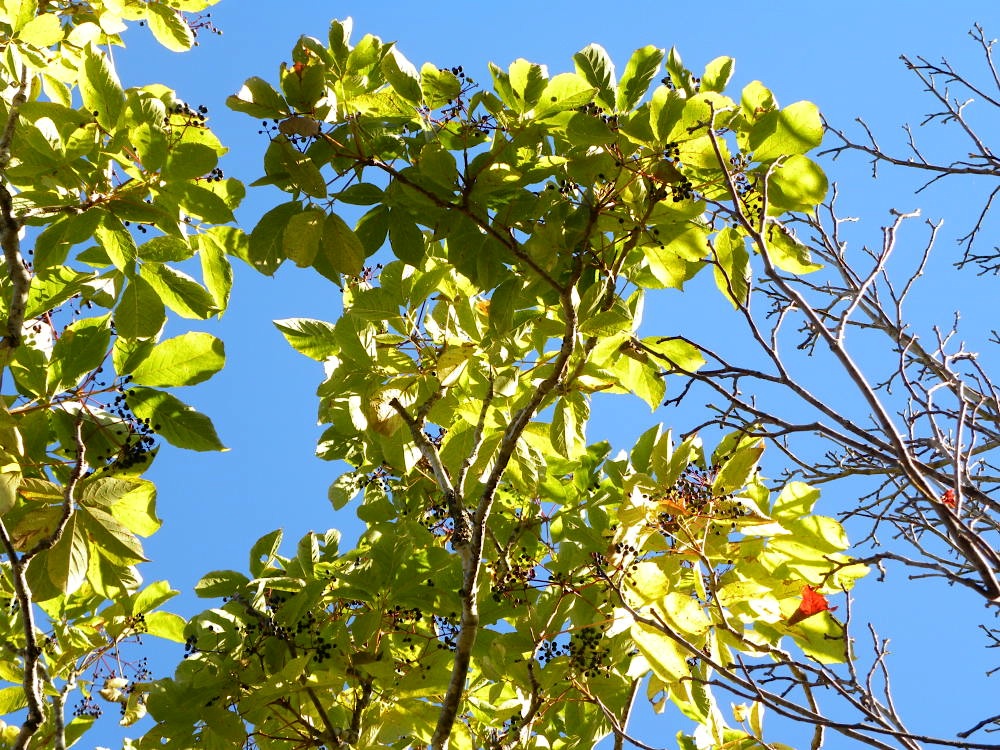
column 611, row 120
column 447, row 628
column 202, row 22
column 682, row 191
column 216, row 175
column 134, row 438
column 692, row 497
column 116, row 686
column 435, row 517
column 565, row 187
column 183, row 115
column 668, row 81
column 457, row 110
column 549, row 650
column 191, row 643
column 586, row 651
column 510, row 579
column 137, row 624
column 88, row 707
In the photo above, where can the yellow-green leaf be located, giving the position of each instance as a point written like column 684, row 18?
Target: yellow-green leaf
column 187, row 359
column 300, row 241
column 169, row 28
column 100, row 89
column 340, row 247
column 796, row 129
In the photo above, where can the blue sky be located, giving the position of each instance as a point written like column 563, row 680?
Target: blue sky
column 842, row 56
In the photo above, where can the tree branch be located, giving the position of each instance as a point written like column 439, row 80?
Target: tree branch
column 10, row 228
column 472, row 552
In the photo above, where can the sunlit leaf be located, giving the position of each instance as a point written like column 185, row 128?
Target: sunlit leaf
column 187, row 359
column 181, row 425
column 100, row 89
column 169, row 28
column 796, row 129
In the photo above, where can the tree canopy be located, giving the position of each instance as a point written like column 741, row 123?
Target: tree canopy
column 518, row 583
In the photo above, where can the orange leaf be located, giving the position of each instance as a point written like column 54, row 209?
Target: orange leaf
column 812, row 604
column 948, row 498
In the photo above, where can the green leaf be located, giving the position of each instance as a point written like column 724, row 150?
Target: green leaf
column 263, row 552
column 563, row 92
column 314, row 338
column 150, row 143
column 566, row 430
column 340, row 246
column 186, row 161
column 179, row 424
column 677, row 255
column 100, row 89
column 66, row 562
column 717, row 74
column 220, row 583
column 639, row 73
column 166, row 625
column 114, row 541
column 675, row 353
column 756, row 100
column 405, row 237
column 179, row 292
column 81, row 349
column 402, row 75
column 302, row 170
column 42, row 31
column 53, row 286
column 10, row 481
column 266, row 248
column 136, row 508
column 303, row 87
column 606, row 323
column 300, row 242
column 795, row 184
column 594, row 64
column 795, row 501
column 152, row 597
column 169, row 28
column 665, row 656
column 585, row 129
column 12, row 699
column 201, row 202
column 787, row 253
column 641, row 378
column 361, row 194
column 53, row 244
column 140, row 313
column 187, row 359
column 372, row 229
column 796, row 129
column 527, row 81
column 438, row 87
column 117, row 242
column 258, row 98
column 738, row 468
column 344, row 489
column 19, row 12
column 164, row 249
column 214, row 247
column 732, row 272
column 367, row 53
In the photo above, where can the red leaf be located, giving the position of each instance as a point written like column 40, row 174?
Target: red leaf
column 812, row 604
column 948, row 498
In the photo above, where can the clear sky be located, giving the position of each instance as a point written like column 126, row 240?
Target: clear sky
column 843, row 56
